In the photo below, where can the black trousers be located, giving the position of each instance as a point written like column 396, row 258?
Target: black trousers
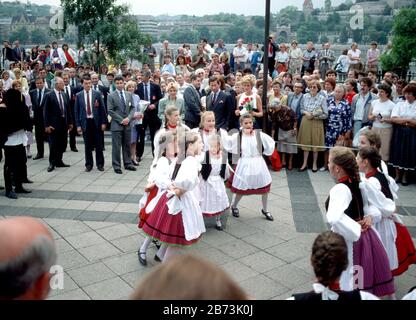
column 40, row 134
column 93, row 139
column 58, row 141
column 72, row 138
column 154, row 126
column 14, row 166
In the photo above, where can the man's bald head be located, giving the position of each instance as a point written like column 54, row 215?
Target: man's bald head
column 27, row 252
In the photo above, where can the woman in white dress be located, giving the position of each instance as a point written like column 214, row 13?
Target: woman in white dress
column 251, row 174
column 329, row 259
column 177, row 219
column 380, row 114
column 158, row 183
column 249, row 102
column 351, row 214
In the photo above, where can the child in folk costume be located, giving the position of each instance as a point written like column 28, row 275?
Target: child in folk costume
column 251, row 174
column 350, row 213
column 172, row 124
column 329, row 259
column 207, row 128
column 369, row 160
column 177, row 218
column 159, row 181
column 214, row 199
column 406, row 252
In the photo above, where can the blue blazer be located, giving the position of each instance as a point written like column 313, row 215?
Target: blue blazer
column 97, row 108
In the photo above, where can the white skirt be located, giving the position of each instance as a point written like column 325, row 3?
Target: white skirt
column 251, row 173
column 214, row 199
column 388, row 234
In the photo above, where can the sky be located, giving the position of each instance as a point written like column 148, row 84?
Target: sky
column 203, row 7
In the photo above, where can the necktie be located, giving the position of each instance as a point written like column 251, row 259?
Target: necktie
column 88, row 104
column 67, row 91
column 123, row 101
column 61, row 104
column 73, row 82
column 214, row 98
column 95, row 88
column 39, row 97
column 146, row 96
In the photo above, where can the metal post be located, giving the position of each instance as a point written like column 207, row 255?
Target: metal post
column 265, row 63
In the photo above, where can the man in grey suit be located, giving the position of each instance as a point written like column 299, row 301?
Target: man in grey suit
column 121, row 110
column 193, row 103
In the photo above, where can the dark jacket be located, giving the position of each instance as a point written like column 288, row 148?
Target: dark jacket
column 222, row 109
column 155, row 95
column 97, row 108
column 192, row 106
column 52, row 112
column 17, row 115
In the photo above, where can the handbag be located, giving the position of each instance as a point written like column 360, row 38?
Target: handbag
column 275, row 161
column 343, row 143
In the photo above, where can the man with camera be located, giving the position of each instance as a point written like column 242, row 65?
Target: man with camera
column 200, row 59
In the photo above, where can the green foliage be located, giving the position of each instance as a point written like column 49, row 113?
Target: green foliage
column 328, row 5
column 20, row 34
column 108, row 24
column 404, row 42
column 40, row 36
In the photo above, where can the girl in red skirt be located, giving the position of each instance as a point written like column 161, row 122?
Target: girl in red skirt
column 251, row 174
column 177, row 219
column 158, row 182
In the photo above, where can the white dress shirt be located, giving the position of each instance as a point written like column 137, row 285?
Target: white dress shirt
column 86, row 104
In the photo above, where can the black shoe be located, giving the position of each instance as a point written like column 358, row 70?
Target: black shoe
column 236, row 212
column 22, row 190
column 74, row 149
column 88, row 168
column 118, row 171
column 219, row 227
column 130, row 168
column 157, row 244
column 62, row 165
column 405, row 183
column 11, row 195
column 29, row 156
column 38, row 157
column 157, row 259
column 139, row 159
column 51, row 168
column 268, row 215
column 27, row 181
column 142, row 261
column 314, row 171
column 1, row 188
column 100, row 169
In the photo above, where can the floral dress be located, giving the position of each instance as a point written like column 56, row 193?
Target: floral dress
column 339, row 121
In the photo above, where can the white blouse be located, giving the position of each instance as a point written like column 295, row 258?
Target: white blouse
column 405, row 110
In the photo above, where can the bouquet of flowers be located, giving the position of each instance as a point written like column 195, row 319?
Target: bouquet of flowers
column 246, row 106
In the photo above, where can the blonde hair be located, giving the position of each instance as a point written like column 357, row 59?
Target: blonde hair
column 172, row 85
column 248, row 80
column 15, row 83
column 204, row 116
column 17, row 71
column 131, row 83
column 188, row 278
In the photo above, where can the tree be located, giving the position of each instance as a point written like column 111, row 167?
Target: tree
column 328, row 5
column 39, row 36
column 324, row 39
column 258, row 21
column 343, row 37
column 100, row 21
column 404, row 43
column 20, row 34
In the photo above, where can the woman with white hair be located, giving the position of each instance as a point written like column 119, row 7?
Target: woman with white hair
column 173, row 99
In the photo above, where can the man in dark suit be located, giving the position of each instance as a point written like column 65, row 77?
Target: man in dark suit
column 7, row 55
column 58, row 122
column 98, row 87
column 91, row 121
column 193, row 103
column 38, row 96
column 71, row 93
column 150, row 92
column 42, row 74
column 220, row 103
column 19, row 53
column 121, row 110
column 270, row 53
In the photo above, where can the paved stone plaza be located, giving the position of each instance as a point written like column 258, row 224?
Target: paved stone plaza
column 93, row 218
